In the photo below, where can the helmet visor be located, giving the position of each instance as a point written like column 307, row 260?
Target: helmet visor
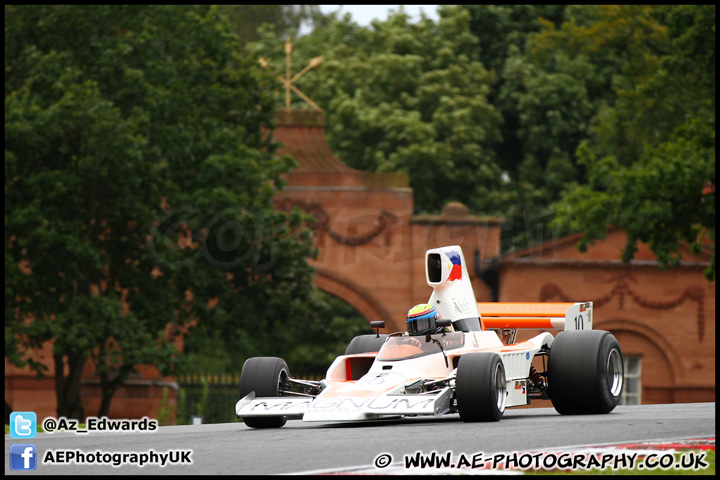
column 422, row 324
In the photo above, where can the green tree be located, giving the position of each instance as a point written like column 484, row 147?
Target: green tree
column 138, row 190
column 650, row 156
column 610, row 50
column 503, row 33
column 550, row 111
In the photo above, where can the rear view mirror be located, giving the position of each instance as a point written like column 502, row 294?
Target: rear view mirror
column 378, row 324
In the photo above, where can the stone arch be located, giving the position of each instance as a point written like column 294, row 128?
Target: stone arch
column 352, row 293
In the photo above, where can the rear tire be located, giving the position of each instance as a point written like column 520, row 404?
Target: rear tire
column 365, row 344
column 480, row 387
column 265, row 376
column 585, row 372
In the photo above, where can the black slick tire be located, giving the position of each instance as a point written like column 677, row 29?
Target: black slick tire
column 480, row 387
column 264, row 376
column 585, row 372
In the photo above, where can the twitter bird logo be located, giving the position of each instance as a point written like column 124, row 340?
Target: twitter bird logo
column 23, row 425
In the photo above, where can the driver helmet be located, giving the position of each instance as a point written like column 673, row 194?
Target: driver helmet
column 422, row 319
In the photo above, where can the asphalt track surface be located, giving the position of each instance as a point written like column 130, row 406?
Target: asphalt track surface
column 299, row 447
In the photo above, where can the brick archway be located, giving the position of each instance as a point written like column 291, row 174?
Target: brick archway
column 352, row 293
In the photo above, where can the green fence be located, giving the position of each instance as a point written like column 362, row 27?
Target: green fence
column 211, row 396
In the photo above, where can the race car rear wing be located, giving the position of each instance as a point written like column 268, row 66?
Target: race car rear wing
column 541, row 316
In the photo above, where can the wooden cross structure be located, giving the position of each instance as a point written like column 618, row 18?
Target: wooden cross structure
column 288, row 81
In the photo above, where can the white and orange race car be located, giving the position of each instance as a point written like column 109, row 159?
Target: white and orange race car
column 468, row 363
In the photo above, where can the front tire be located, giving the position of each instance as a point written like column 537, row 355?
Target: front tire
column 585, row 372
column 480, row 387
column 265, row 376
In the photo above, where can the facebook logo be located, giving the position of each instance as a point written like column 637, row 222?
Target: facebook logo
column 23, row 425
column 23, row 456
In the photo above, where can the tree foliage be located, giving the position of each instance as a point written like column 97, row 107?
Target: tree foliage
column 282, row 19
column 503, row 33
column 139, row 179
column 650, row 153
